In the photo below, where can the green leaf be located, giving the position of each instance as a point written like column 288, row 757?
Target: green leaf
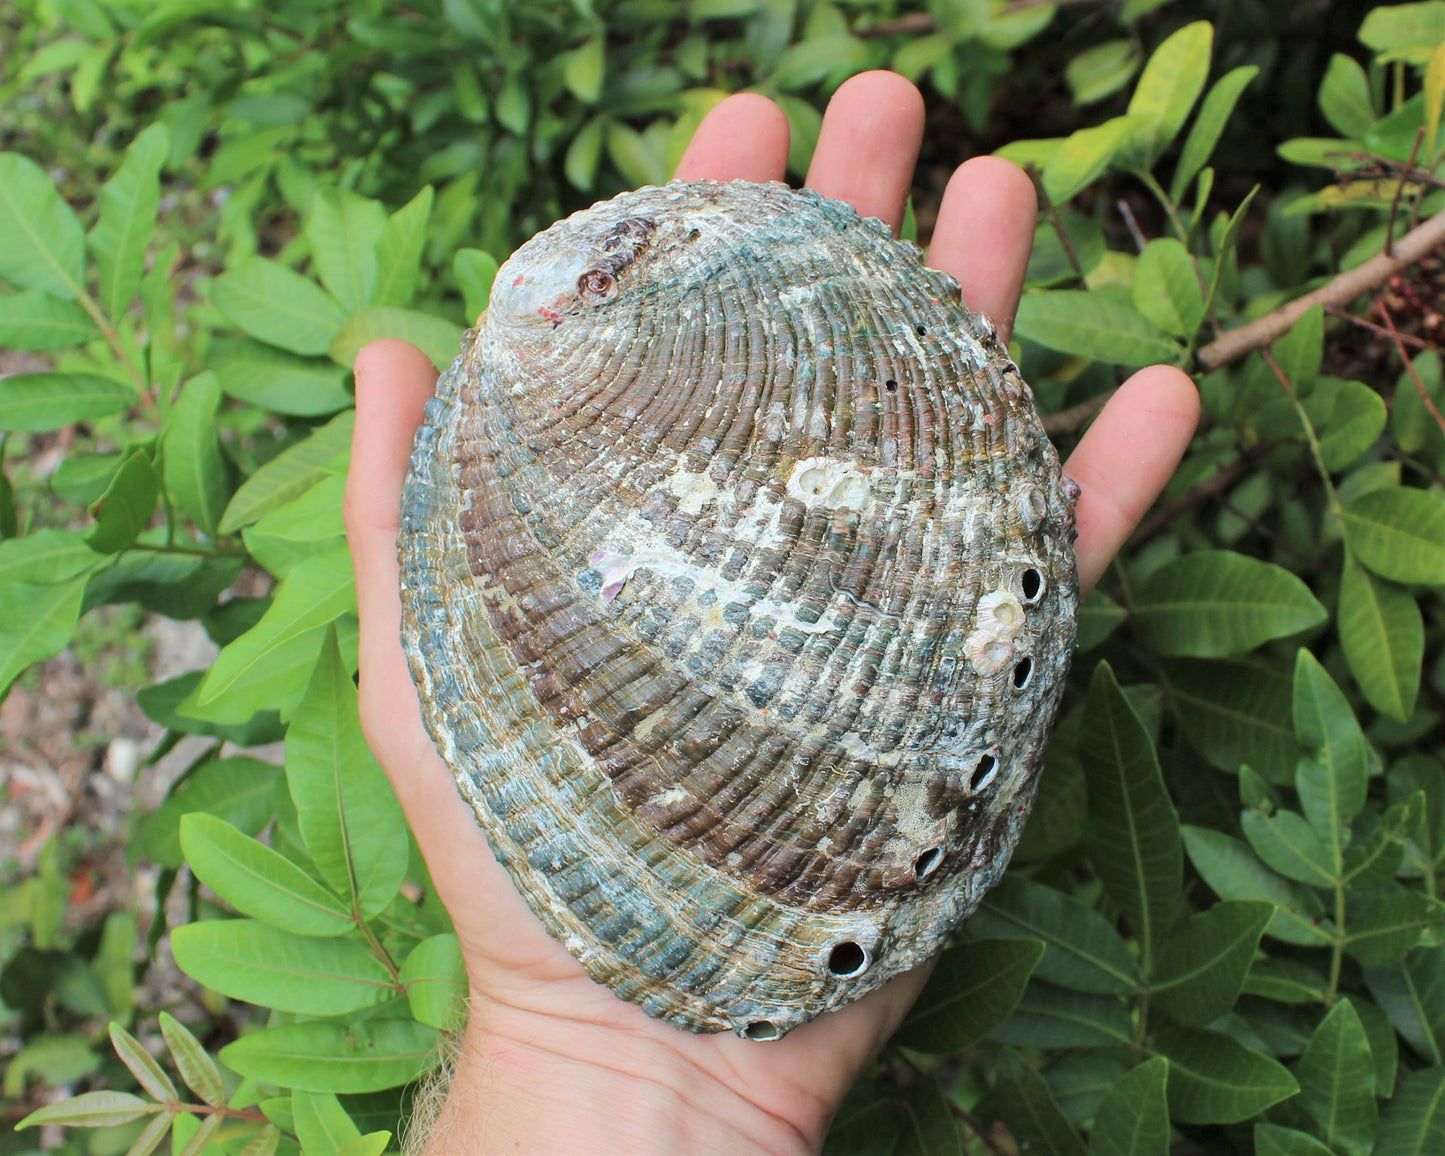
column 125, row 509
column 350, row 819
column 1092, row 324
column 1022, row 1100
column 278, row 306
column 1202, row 965
column 866, row 1124
column 37, row 321
column 344, row 230
column 1272, row 1140
column 580, row 163
column 1288, row 844
column 200, row 1139
column 1332, row 784
column 249, row 961
column 1133, row 1120
column 1214, row 603
column 399, row 251
column 1236, row 713
column 36, row 623
column 321, row 1123
column 154, row 1132
column 1166, row 287
column 1099, row 617
column 264, row 1143
column 372, row 1144
column 149, row 1075
column 1414, row 1120
column 435, row 977
column 91, row 1110
column 1383, row 635
column 1097, row 72
column 975, row 987
column 1232, row 871
column 1082, row 951
column 638, row 157
column 1285, row 980
column 438, row 339
column 1434, row 101
column 44, row 245
column 1084, row 156
column 34, row 402
column 128, row 204
column 331, row 1057
column 192, row 465
column 258, row 881
column 238, row 790
column 1393, row 27
column 1347, row 416
column 318, row 590
column 1412, row 994
column 1337, row 1085
column 1133, row 831
column 1392, row 926
column 280, row 381
column 1171, row 82
column 1214, row 1079
column 197, row 1069
column 1399, row 533
column 582, row 70
column 45, row 557
column 1384, row 1047
column 1345, row 97
column 1214, row 114
column 927, row 1127
column 313, row 517
column 475, row 271
column 1048, row 1017
column 1414, row 426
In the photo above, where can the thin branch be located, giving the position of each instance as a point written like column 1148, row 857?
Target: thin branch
column 1344, row 288
column 1201, row 492
column 1355, row 319
column 1076, row 417
column 1400, row 188
column 1425, row 397
column 1134, row 231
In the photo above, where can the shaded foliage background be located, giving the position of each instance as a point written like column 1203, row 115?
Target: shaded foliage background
column 1222, row 932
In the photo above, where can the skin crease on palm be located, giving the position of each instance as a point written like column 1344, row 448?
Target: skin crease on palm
column 550, row 1061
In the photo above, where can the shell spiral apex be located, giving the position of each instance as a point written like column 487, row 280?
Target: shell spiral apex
column 739, row 590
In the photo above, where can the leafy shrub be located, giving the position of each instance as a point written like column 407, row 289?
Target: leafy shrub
column 1223, row 920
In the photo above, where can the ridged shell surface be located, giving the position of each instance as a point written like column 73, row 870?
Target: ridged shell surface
column 739, row 591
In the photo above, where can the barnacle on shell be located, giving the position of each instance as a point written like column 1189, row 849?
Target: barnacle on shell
column 739, row 591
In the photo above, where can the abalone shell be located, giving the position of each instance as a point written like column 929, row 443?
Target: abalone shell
column 739, row 591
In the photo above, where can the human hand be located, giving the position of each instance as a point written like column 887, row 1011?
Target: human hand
column 550, row 1061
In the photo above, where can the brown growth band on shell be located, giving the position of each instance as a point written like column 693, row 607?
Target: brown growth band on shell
column 739, row 591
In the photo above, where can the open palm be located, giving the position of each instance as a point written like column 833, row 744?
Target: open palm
column 550, row 1061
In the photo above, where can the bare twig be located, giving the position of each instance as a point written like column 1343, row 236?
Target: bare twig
column 1399, row 188
column 1134, row 231
column 1425, row 397
column 1344, row 288
column 1202, row 492
column 1076, row 417
column 1363, row 323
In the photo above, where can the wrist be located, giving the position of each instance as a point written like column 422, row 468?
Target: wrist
column 542, row 1084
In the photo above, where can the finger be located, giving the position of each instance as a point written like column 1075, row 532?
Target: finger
column 984, row 234
column 743, row 138
column 868, row 145
column 1124, row 460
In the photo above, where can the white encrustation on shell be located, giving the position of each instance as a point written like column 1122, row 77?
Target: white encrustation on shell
column 739, row 590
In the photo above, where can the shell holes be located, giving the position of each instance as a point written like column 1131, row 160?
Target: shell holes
column 1022, row 672
column 921, row 330
column 1033, row 585
column 847, row 959
column 694, row 235
column 890, row 385
column 928, row 862
column 983, row 772
column 762, row 1030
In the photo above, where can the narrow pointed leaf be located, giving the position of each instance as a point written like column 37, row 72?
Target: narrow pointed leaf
column 143, row 1066
column 1383, row 635
column 333, row 1057
column 37, row 321
column 1049, row 1017
column 1414, row 1120
column 322, row 1124
column 1133, row 830
column 1171, row 82
column 1332, row 784
column 1202, row 965
column 1337, row 1085
column 438, row 338
column 291, row 473
column 196, row 1068
column 1166, row 287
column 91, row 1110
column 1393, row 925
column 1288, row 844
column 258, row 881
column 1214, row 603
column 399, row 252
column 1233, row 872
column 974, row 988
column 1082, row 951
column 276, row 380
column 349, row 816
column 1133, row 1119
column 1095, row 325
column 128, row 204
column 1214, row 1079
column 125, row 509
column 264, row 1143
column 928, row 1127
column 152, row 1135
column 192, row 465
column 278, row 306
column 1022, row 1100
column 344, row 230
column 1272, row 1140
column 201, row 1139
column 44, row 245
column 435, row 978
column 35, row 402
column 1235, row 713
column 1214, row 114
column 1399, row 533
column 36, row 622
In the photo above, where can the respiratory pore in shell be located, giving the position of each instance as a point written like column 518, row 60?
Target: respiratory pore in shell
column 739, row 590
